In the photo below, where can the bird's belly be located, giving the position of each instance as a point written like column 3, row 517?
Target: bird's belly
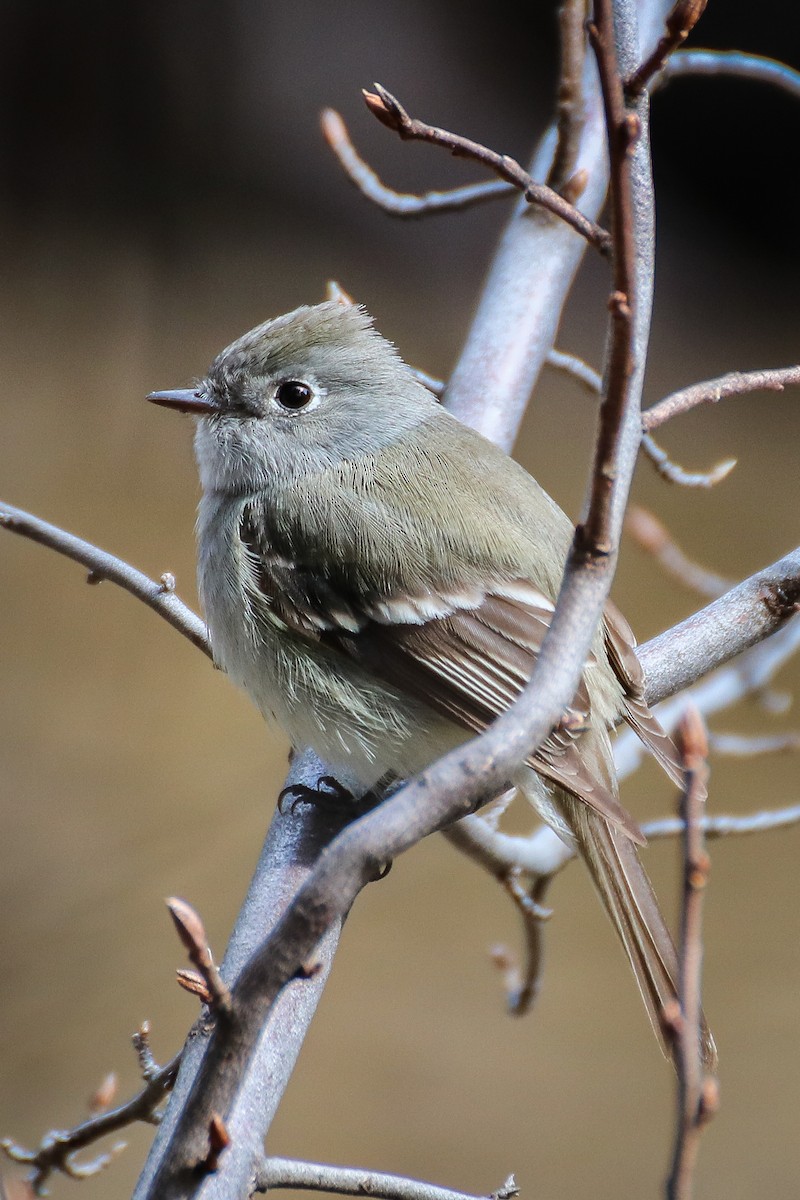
column 353, row 721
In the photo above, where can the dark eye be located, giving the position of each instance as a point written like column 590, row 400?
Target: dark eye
column 293, row 395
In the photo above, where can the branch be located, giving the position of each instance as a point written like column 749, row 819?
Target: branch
column 735, row 383
column 592, row 382
column 57, row 1150
column 679, row 24
column 732, row 62
column 159, row 596
column 570, row 118
column 390, row 112
column 674, row 473
column 697, row 1094
column 352, row 1181
column 630, row 313
column 401, row 204
column 294, row 843
column 737, row 745
column 742, row 617
column 520, row 307
column 653, row 536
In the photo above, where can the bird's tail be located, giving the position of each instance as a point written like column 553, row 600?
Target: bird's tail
column 629, row 900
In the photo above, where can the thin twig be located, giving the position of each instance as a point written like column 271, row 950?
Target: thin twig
column 160, row 596
column 390, row 112
column 731, row 62
column 726, row 825
column 402, row 204
column 624, row 128
column 735, row 383
column 674, row 473
column 57, row 1149
column 654, row 537
column 353, row 1181
column 590, row 379
column 476, row 837
column 570, row 111
column 738, row 745
column 697, row 1095
column 679, row 24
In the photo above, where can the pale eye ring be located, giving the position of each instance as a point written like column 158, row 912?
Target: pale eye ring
column 293, row 395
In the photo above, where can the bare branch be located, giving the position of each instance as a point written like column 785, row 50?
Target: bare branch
column 680, row 23
column 102, row 565
column 291, row 848
column 697, row 1094
column 674, row 473
column 629, row 327
column 653, row 536
column 735, row 383
column 57, row 1149
column 669, row 470
column 520, row 307
column 402, row 204
column 590, row 379
column 737, row 745
column 726, row 825
column 390, row 112
column 475, row 837
column 731, row 62
column 570, row 117
column 742, row 617
column 746, row 675
column 352, row 1181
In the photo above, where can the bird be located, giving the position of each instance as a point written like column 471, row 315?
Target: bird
column 378, row 577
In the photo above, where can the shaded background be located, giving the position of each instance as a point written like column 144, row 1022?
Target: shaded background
column 163, row 187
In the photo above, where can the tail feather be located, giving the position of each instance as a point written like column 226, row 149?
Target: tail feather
column 630, row 902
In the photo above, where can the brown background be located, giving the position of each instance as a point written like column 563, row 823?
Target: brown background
column 163, row 188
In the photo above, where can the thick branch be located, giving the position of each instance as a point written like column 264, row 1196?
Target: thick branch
column 292, row 846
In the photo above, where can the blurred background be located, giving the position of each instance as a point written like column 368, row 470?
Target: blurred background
column 164, row 187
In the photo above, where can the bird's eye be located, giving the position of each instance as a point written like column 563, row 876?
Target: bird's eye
column 293, row 395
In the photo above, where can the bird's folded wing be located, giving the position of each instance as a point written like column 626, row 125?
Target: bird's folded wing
column 466, row 651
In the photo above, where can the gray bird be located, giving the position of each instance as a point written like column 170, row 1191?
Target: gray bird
column 378, row 578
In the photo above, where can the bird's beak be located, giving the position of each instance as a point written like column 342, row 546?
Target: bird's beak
column 185, row 400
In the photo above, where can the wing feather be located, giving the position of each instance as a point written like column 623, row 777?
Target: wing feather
column 465, row 651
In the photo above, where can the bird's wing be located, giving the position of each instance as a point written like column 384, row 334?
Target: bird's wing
column 466, row 653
